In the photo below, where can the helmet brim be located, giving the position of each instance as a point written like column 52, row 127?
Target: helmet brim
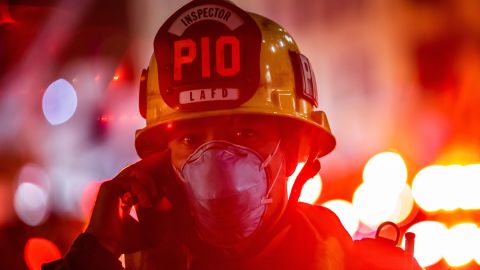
column 306, row 132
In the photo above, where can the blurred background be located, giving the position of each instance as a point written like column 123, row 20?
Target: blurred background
column 399, row 80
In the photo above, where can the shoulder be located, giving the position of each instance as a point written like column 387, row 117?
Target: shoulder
column 318, row 215
column 324, row 221
column 316, row 238
column 316, row 211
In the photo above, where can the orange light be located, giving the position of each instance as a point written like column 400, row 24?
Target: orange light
column 39, row 251
column 116, row 77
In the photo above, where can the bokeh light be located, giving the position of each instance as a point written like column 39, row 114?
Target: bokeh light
column 59, row 102
column 373, row 205
column 404, row 205
column 345, row 212
column 447, row 187
column 33, row 173
column 386, row 169
column 429, row 241
column 31, row 203
column 477, row 253
column 452, row 186
column 462, row 243
column 426, row 186
column 471, row 187
column 312, row 188
column 39, row 251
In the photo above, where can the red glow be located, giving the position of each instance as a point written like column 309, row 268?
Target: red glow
column 169, row 126
column 205, row 57
column 5, row 15
column 104, row 118
column 88, row 198
column 220, row 50
column 39, row 251
column 181, row 59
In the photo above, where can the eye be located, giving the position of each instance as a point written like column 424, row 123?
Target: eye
column 190, row 139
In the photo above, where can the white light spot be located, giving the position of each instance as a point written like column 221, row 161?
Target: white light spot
column 387, row 170
column 447, row 187
column 312, row 188
column 471, row 187
column 373, row 204
column 59, row 102
column 346, row 214
column 429, row 241
column 427, row 188
column 288, row 38
column 404, row 205
column 461, row 244
column 31, row 204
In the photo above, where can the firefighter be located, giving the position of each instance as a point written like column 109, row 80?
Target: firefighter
column 229, row 103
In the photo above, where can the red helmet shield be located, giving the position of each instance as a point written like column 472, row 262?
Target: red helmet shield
column 208, row 55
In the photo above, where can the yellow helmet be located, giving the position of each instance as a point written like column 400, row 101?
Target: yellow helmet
column 212, row 58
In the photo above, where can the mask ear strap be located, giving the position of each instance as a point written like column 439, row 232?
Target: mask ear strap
column 267, row 199
column 309, row 170
column 270, row 156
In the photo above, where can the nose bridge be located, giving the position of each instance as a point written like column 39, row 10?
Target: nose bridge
column 216, row 135
column 217, row 132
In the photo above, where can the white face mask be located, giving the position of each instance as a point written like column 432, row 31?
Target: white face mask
column 226, row 185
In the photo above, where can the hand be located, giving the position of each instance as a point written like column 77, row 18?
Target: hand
column 111, row 222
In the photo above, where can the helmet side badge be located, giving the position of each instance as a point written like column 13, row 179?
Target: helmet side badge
column 305, row 84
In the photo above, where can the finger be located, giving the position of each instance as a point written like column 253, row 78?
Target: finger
column 136, row 187
column 148, row 182
column 140, row 191
column 129, row 190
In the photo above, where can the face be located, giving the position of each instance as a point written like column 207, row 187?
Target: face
column 258, row 133
column 253, row 132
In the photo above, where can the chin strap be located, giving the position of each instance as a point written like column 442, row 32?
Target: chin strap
column 309, row 170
